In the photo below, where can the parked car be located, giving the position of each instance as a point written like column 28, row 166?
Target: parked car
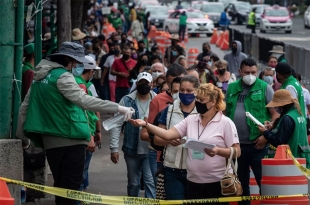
column 197, row 23
column 307, row 18
column 258, row 12
column 238, row 11
column 226, row 2
column 213, row 10
column 198, row 4
column 276, row 18
column 184, row 4
column 158, row 15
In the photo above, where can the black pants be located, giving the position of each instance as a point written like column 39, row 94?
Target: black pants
column 67, row 165
column 204, row 191
column 182, row 32
column 253, row 27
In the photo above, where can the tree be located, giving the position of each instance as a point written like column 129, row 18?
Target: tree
column 63, row 21
column 77, row 13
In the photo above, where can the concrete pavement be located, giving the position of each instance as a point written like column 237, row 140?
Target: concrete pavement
column 105, row 177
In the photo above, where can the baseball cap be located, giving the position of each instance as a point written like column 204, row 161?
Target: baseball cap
column 91, row 65
column 146, row 76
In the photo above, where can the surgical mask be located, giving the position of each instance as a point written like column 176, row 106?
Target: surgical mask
column 143, row 89
column 151, row 45
column 134, row 56
column 279, row 110
column 186, row 99
column 249, row 79
column 175, row 96
column 78, row 70
column 277, row 55
column 210, row 63
column 140, row 38
column 268, row 79
column 222, row 71
column 156, row 74
column 272, row 65
column 174, row 53
column 201, row 107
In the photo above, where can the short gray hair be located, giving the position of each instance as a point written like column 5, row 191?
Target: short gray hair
column 158, row 64
column 269, row 69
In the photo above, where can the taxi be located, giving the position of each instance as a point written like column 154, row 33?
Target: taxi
column 276, row 18
column 197, row 23
column 198, row 4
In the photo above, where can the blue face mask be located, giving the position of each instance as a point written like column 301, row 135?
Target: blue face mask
column 174, row 53
column 78, row 70
column 186, row 99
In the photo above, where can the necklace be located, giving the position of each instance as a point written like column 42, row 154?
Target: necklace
column 199, row 135
column 147, row 105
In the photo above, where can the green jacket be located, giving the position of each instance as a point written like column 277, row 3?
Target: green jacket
column 282, row 59
column 300, row 95
column 91, row 116
column 255, row 103
column 299, row 141
column 252, row 18
column 53, row 114
column 27, row 66
column 183, row 19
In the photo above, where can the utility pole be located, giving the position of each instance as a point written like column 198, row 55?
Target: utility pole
column 63, row 21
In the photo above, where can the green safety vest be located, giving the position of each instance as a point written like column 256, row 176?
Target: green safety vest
column 251, row 20
column 255, row 103
column 50, row 113
column 299, row 141
column 300, row 95
column 91, row 116
column 183, row 19
column 27, row 66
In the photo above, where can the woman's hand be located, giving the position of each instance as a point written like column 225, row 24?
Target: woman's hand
column 137, row 122
column 261, row 129
column 268, row 125
column 211, row 152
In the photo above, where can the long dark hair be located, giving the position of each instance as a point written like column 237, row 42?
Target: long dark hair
column 285, row 110
column 135, row 71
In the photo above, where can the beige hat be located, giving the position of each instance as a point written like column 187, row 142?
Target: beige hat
column 277, row 49
column 175, row 37
column 77, row 34
column 283, row 97
column 47, row 36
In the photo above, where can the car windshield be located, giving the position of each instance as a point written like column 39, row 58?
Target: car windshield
column 197, row 6
column 277, row 12
column 259, row 10
column 216, row 8
column 157, row 11
column 243, row 6
column 195, row 15
column 184, row 4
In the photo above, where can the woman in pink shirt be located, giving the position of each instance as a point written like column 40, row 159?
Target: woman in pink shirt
column 211, row 126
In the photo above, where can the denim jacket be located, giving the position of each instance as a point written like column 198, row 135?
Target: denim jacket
column 131, row 133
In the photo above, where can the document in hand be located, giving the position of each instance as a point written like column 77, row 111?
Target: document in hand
column 198, row 146
column 253, row 119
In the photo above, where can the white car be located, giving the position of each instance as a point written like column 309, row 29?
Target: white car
column 197, row 23
column 276, row 18
column 307, row 18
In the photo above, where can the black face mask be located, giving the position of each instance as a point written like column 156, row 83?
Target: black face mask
column 201, row 107
column 144, row 62
column 143, row 89
column 234, row 50
column 115, row 41
column 141, row 49
column 222, row 71
column 116, row 52
column 124, row 39
column 205, row 50
column 126, row 57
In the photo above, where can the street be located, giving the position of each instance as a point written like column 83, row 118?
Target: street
column 299, row 36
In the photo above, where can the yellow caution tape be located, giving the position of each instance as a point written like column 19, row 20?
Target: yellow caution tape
column 303, row 169
column 120, row 200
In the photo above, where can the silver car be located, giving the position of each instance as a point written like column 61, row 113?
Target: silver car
column 158, row 15
column 213, row 10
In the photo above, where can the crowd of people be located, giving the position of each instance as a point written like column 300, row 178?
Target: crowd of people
column 165, row 102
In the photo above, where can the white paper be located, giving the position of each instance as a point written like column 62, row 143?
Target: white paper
column 253, row 119
column 198, row 146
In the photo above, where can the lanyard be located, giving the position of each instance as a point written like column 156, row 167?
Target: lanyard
column 199, row 135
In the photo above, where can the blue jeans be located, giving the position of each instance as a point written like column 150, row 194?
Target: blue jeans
column 175, row 183
column 153, row 164
column 136, row 164
column 120, row 93
column 85, row 182
column 250, row 157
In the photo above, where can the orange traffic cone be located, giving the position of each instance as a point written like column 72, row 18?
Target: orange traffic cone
column 152, row 33
column 220, row 39
column 225, row 43
column 5, row 196
column 281, row 152
column 214, row 36
column 186, row 36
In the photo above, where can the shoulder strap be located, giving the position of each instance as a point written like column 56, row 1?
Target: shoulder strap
column 125, row 64
column 230, row 162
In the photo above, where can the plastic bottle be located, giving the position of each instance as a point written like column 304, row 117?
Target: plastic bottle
column 113, row 121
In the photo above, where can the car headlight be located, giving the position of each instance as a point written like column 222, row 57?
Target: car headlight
column 289, row 21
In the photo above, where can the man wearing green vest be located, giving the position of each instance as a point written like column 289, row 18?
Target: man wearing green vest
column 290, row 128
column 182, row 25
column 252, row 20
column 285, row 77
column 28, row 68
column 53, row 115
column 249, row 94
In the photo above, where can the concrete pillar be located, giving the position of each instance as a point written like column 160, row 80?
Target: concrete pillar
column 11, row 164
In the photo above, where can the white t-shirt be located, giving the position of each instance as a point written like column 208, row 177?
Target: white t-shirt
column 306, row 98
column 108, row 63
column 92, row 89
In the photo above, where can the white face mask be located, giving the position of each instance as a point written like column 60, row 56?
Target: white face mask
column 140, row 38
column 151, row 45
column 249, row 79
column 268, row 79
column 277, row 55
column 175, row 96
column 156, row 74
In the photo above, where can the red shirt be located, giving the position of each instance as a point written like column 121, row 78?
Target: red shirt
column 119, row 66
column 158, row 104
